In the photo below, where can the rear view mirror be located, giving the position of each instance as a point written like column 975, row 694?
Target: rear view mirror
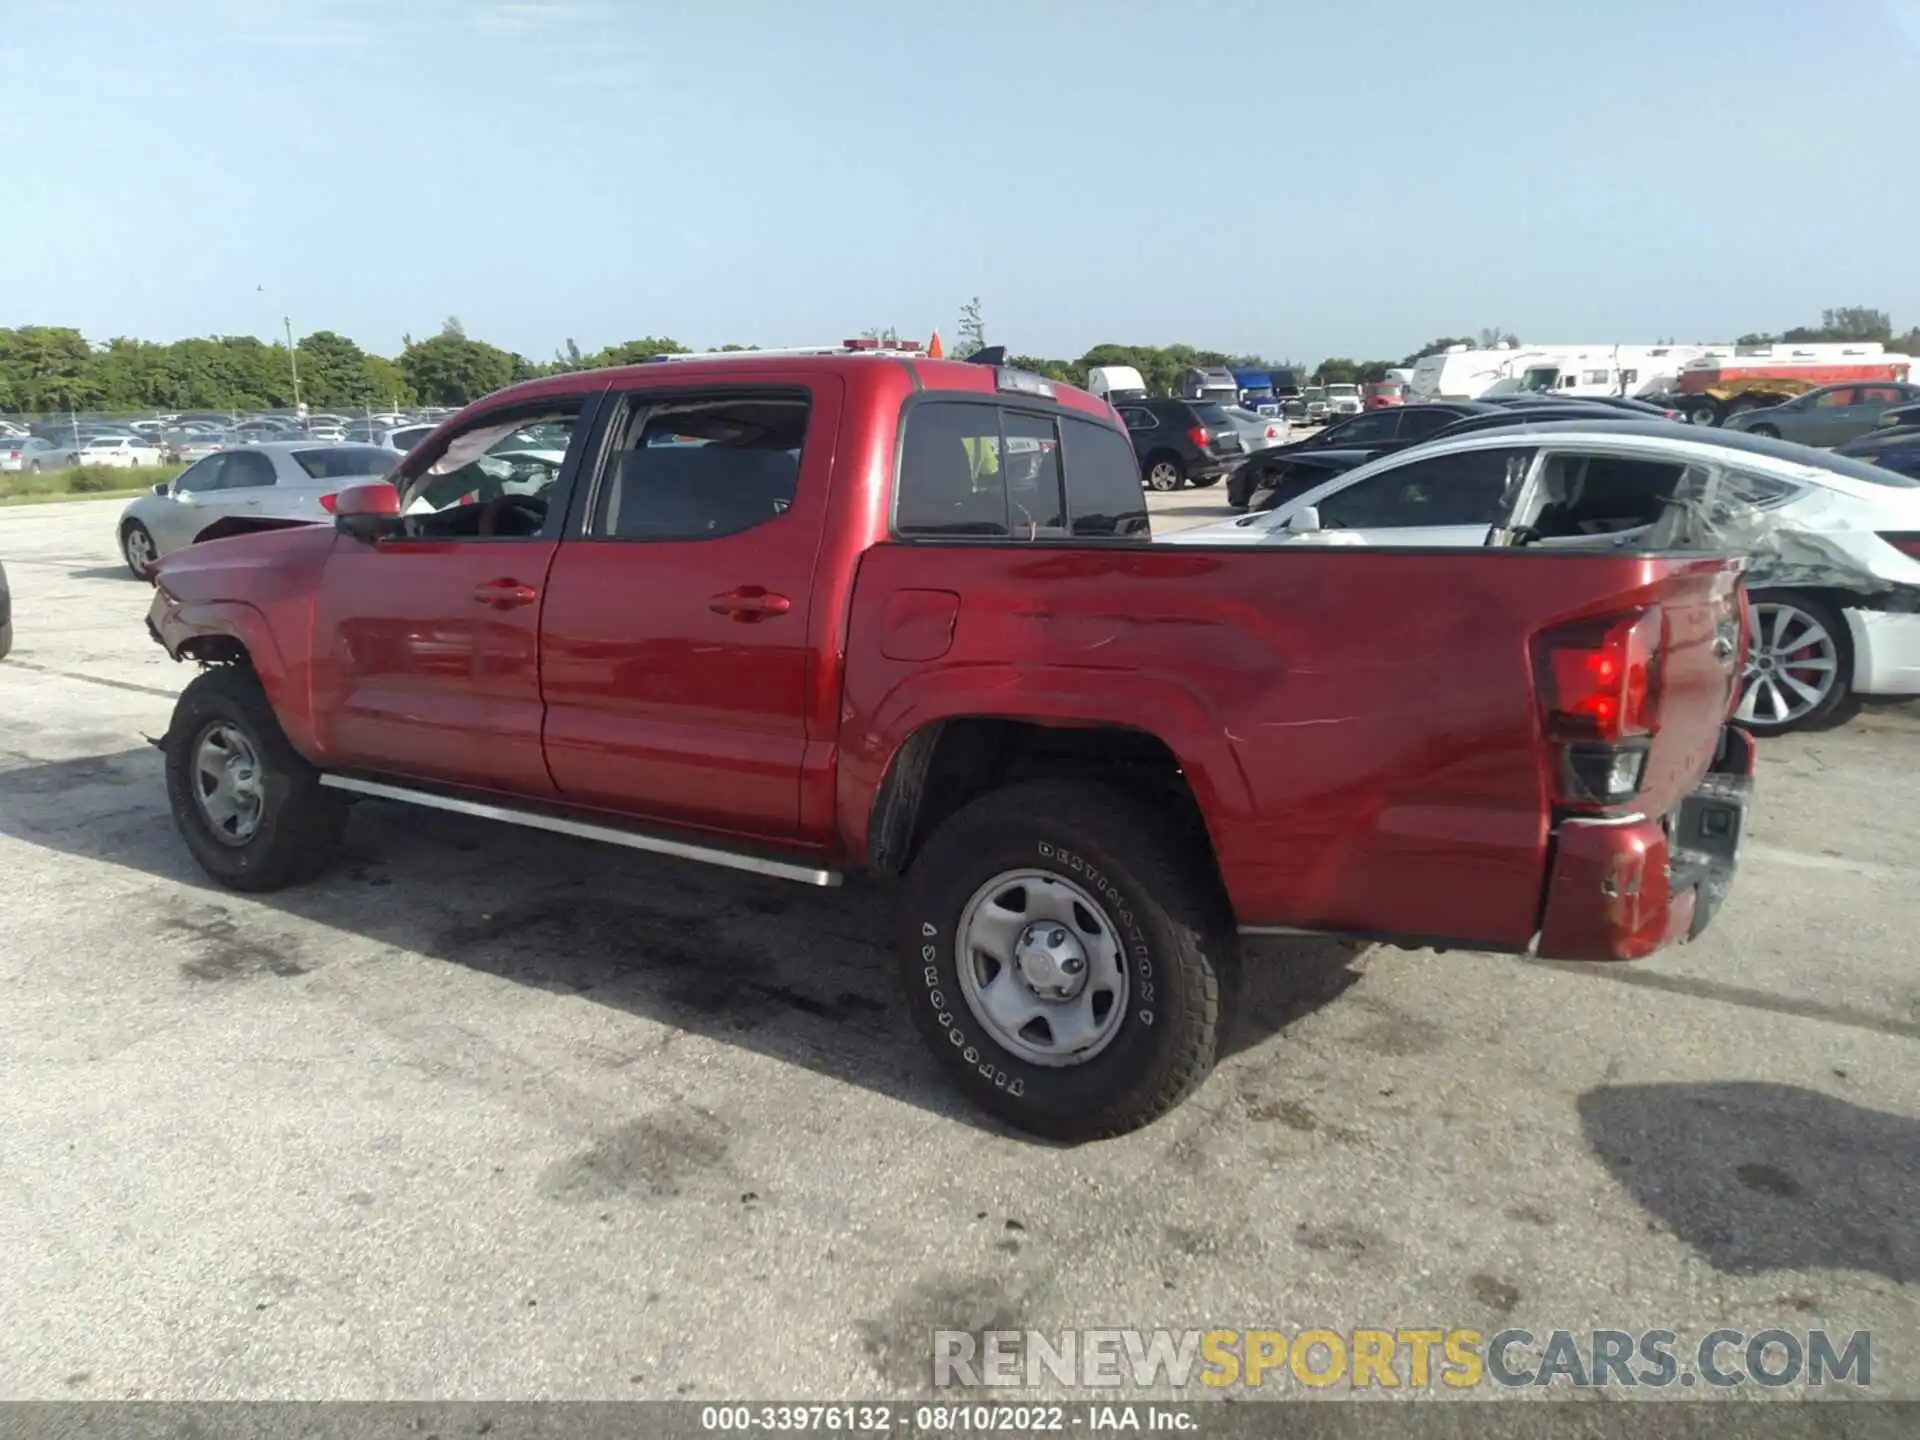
column 1305, row 520
column 365, row 511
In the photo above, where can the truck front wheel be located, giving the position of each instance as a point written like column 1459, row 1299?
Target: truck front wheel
column 1066, row 956
column 250, row 808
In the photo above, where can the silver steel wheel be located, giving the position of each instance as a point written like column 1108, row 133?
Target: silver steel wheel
column 227, row 783
column 1164, row 475
column 139, row 547
column 1041, row 967
column 1792, row 664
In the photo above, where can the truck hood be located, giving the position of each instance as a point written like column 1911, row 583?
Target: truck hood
column 241, row 567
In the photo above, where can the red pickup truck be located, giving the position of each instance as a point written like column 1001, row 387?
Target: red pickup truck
column 819, row 616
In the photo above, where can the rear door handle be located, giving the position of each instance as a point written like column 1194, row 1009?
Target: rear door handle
column 505, row 594
column 748, row 603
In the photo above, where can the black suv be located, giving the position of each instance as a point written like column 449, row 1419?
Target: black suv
column 1181, row 442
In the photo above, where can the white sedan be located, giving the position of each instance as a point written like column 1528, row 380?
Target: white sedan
column 1834, row 588
column 123, row 452
column 294, row 480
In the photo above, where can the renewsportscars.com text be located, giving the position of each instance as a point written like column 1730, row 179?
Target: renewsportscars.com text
column 1416, row 1358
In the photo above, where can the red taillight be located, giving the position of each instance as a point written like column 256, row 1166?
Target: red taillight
column 327, row 502
column 1599, row 694
column 1198, row 437
column 1907, row 542
column 1273, row 432
column 1600, row 680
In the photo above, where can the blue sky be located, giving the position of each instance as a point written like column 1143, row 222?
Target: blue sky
column 1291, row 178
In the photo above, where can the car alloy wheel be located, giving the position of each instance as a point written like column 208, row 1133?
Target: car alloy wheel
column 139, row 547
column 1164, row 475
column 1793, row 665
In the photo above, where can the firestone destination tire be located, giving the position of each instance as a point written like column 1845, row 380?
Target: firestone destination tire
column 250, row 808
column 1065, row 953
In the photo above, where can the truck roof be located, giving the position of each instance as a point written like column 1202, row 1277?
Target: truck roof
column 916, row 371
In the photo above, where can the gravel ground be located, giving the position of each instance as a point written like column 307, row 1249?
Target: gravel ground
column 489, row 1114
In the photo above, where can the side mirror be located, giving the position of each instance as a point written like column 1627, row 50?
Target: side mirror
column 1305, row 520
column 165, row 487
column 366, row 511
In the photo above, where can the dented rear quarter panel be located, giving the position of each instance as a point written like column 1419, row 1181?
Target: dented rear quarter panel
column 1359, row 726
column 257, row 590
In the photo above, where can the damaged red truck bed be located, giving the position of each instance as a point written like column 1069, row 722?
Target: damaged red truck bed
column 815, row 616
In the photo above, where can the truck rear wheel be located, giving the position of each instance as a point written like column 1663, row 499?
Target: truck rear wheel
column 1066, row 958
column 249, row 806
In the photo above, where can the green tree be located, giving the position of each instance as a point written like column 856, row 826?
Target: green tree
column 633, row 352
column 1435, row 347
column 972, row 336
column 333, row 372
column 450, row 369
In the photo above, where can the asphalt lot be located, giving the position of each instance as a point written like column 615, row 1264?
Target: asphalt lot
column 488, row 1114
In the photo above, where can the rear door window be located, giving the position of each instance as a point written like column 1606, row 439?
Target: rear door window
column 1417, row 424
column 1602, row 494
column 973, row 471
column 1104, row 498
column 1463, row 489
column 246, row 470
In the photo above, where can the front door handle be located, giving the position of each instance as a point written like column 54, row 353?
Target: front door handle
column 505, row 594
column 748, row 603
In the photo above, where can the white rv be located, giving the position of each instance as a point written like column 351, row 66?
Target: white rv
column 1631, row 370
column 1463, row 373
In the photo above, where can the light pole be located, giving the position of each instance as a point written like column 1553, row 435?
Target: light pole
column 293, row 363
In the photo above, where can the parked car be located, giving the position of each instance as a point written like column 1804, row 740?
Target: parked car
column 125, row 452
column 1899, row 415
column 1897, row 449
column 1831, row 536
column 1272, row 479
column 33, row 453
column 1181, row 442
column 235, row 489
column 1647, row 408
column 6, row 616
column 1831, row 415
column 1257, row 431
column 185, row 447
column 750, row 652
column 1375, row 433
column 393, row 437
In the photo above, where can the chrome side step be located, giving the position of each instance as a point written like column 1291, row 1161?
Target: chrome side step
column 583, row 830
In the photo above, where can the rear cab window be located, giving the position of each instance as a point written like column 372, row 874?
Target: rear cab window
column 989, row 471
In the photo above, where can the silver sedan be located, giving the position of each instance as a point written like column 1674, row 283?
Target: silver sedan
column 289, row 480
column 31, row 453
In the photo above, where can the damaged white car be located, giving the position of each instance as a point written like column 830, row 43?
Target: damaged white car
column 1834, row 585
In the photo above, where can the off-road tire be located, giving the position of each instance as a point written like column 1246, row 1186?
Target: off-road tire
column 1159, row 888
column 301, row 823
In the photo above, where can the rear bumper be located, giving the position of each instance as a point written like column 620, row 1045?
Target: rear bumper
column 1620, row 890
column 1886, row 651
